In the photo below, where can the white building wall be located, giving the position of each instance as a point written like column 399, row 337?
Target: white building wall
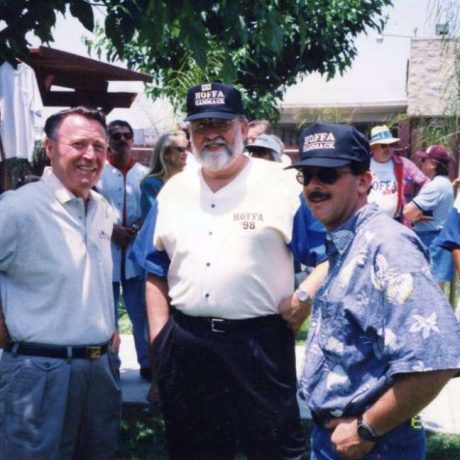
column 432, row 86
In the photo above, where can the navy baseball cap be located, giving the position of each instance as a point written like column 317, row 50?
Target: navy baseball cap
column 213, row 100
column 329, row 145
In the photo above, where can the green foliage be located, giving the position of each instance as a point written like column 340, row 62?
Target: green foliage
column 262, row 46
column 20, row 17
column 142, row 434
column 440, row 130
column 303, row 333
column 443, row 446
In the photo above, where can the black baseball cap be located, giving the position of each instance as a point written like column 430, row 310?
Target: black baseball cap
column 331, row 146
column 213, row 100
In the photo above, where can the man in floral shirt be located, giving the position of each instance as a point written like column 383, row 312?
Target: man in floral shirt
column 383, row 340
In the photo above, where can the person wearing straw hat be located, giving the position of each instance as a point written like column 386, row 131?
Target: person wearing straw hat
column 393, row 176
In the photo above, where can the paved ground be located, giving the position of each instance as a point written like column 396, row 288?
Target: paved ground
column 442, row 415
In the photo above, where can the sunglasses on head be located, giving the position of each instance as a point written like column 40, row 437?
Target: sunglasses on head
column 202, row 126
column 117, row 136
column 325, row 175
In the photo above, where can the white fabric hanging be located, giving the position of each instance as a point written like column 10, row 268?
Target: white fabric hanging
column 20, row 104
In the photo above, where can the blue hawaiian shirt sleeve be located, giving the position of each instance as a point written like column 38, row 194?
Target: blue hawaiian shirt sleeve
column 420, row 332
column 308, row 237
column 449, row 238
column 144, row 252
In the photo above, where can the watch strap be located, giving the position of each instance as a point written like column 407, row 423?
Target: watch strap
column 365, row 431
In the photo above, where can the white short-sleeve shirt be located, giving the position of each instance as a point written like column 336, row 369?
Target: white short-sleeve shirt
column 228, row 250
column 384, row 188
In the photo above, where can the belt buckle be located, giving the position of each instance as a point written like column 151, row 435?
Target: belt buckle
column 93, row 352
column 214, row 327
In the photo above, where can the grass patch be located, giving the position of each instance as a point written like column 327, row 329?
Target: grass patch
column 124, row 324
column 142, row 434
column 301, row 336
column 443, row 446
column 142, row 437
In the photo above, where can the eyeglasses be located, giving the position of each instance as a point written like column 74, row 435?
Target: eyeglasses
column 117, row 136
column 325, row 175
column 202, row 126
column 179, row 149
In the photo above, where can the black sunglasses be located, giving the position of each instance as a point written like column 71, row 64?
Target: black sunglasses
column 117, row 136
column 325, row 175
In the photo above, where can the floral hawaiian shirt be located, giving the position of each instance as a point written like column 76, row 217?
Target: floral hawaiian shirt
column 378, row 314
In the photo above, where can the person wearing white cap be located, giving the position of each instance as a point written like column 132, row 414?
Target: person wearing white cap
column 267, row 147
column 393, row 175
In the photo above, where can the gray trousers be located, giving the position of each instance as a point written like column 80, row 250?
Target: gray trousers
column 59, row 409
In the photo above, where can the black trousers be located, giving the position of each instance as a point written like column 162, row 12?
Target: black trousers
column 227, row 388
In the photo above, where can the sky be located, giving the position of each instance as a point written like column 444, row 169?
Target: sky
column 378, row 74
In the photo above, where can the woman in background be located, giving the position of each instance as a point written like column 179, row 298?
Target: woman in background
column 169, row 157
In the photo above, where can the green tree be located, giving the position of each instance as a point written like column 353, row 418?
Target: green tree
column 19, row 17
column 262, row 46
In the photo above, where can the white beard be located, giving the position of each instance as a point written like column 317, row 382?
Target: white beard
column 220, row 159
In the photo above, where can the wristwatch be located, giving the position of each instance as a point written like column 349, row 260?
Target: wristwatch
column 365, row 431
column 302, row 295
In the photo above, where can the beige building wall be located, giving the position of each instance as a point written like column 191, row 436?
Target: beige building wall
column 432, row 84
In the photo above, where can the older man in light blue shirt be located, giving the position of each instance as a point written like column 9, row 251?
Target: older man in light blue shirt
column 59, row 382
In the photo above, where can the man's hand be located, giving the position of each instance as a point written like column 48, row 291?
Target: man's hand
column 294, row 312
column 292, row 309
column 4, row 334
column 346, row 440
column 115, row 341
column 122, row 236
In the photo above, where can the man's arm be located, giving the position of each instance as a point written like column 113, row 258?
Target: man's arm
column 157, row 300
column 4, row 334
column 292, row 309
column 409, row 394
column 414, row 214
column 456, row 259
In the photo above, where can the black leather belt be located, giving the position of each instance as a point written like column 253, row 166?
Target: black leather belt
column 52, row 351
column 221, row 325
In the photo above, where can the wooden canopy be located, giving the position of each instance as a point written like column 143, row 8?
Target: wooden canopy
column 88, row 78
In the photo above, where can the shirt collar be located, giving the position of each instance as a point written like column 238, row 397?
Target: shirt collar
column 62, row 194
column 338, row 241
